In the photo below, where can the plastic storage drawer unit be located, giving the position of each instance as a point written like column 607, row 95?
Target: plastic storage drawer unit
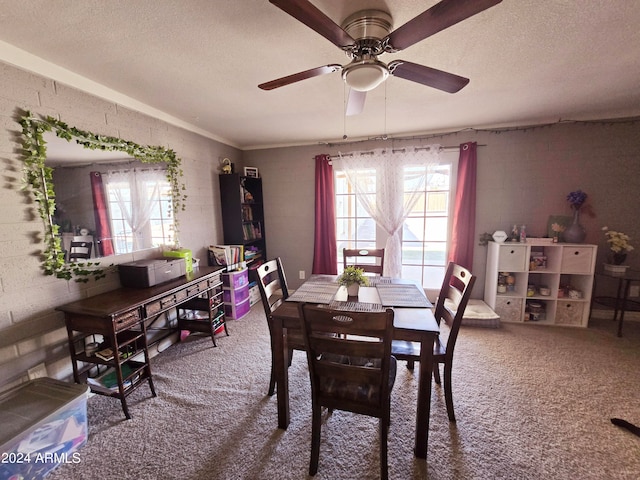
column 237, row 311
column 236, row 296
column 235, row 280
column 44, row 423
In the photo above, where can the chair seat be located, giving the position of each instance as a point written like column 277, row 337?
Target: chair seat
column 404, row 350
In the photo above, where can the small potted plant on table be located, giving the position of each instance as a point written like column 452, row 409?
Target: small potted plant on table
column 352, row 277
column 619, row 246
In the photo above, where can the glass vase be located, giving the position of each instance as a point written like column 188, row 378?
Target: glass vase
column 575, row 233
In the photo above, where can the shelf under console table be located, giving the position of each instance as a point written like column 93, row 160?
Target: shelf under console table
column 119, row 316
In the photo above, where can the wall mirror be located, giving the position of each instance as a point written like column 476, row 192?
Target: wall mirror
column 115, row 196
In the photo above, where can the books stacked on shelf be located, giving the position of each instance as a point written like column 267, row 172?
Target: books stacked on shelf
column 252, row 253
column 229, row 256
column 247, row 213
column 252, row 231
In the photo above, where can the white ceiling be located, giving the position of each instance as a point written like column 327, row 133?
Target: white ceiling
column 198, row 64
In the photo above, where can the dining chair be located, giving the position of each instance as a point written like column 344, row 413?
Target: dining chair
column 450, row 306
column 369, row 260
column 272, row 284
column 80, row 251
column 351, row 368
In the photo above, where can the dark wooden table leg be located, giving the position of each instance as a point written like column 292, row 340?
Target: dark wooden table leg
column 424, row 397
column 625, row 297
column 618, row 297
column 281, row 371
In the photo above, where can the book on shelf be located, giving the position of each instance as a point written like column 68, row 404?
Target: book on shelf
column 105, row 354
column 225, row 255
column 108, row 381
column 247, row 213
column 251, row 254
column 252, row 231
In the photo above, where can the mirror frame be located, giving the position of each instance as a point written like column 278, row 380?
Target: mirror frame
column 38, row 179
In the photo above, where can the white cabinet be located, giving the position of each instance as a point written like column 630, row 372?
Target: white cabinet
column 540, row 282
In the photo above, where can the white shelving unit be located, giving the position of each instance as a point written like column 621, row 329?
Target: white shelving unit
column 566, row 269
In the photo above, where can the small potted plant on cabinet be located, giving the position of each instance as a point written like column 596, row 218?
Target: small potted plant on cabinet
column 352, row 277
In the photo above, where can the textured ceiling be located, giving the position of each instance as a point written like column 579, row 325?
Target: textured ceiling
column 199, row 62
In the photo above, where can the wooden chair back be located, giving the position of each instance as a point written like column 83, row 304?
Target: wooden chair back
column 451, row 304
column 370, row 260
column 272, row 284
column 351, row 368
column 80, row 251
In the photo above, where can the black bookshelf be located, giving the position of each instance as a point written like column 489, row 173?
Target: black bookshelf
column 243, row 216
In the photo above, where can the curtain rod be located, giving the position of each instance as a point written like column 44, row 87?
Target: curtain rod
column 449, row 148
column 149, row 169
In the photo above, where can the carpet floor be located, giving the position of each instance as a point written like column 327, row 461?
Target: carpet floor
column 531, row 401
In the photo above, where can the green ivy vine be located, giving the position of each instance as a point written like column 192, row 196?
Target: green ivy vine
column 39, row 181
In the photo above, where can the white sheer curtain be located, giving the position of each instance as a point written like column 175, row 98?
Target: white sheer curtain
column 390, row 199
column 136, row 192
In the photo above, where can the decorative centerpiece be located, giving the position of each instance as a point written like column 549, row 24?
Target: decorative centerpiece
column 619, row 246
column 352, row 277
column 575, row 233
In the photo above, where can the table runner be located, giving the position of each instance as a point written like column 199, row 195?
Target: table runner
column 402, row 295
column 320, row 289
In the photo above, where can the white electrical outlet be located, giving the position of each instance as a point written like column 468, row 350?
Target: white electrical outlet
column 303, row 275
column 38, row 371
column 634, row 291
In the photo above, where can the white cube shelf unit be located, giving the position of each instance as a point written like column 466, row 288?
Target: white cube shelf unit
column 548, row 283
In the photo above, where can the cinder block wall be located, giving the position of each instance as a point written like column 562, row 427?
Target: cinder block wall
column 31, row 331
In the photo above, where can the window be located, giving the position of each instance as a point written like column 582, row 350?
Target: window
column 354, row 226
column 140, row 209
column 425, row 232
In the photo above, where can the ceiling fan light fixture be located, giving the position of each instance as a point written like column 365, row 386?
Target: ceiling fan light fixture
column 365, row 76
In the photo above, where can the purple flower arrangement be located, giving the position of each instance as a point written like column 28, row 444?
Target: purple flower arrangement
column 576, row 199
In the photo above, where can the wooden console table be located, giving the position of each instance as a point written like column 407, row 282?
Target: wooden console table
column 119, row 316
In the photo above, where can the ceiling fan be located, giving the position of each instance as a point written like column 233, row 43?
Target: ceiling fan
column 367, row 34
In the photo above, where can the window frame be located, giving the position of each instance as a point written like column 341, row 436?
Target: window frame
column 163, row 205
column 448, row 158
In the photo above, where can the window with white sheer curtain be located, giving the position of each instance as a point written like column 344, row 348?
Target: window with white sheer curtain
column 139, row 209
column 399, row 200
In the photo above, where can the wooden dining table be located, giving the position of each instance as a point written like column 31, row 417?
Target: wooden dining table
column 415, row 323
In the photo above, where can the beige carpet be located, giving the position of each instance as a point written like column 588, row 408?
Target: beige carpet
column 532, row 402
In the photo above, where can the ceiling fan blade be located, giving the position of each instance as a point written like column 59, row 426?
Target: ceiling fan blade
column 428, row 76
column 355, row 102
column 307, row 13
column 296, row 77
column 442, row 15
